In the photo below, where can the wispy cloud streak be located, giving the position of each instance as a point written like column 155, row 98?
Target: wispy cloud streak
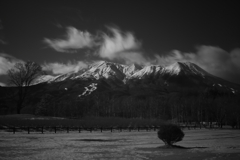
column 121, row 45
column 75, row 39
column 62, row 68
column 7, row 62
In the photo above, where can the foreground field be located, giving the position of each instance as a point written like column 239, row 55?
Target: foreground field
column 199, row 144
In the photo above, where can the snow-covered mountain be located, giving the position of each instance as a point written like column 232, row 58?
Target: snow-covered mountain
column 110, row 70
column 178, row 73
column 101, row 69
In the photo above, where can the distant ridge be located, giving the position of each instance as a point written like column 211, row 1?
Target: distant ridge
column 114, row 70
column 179, row 73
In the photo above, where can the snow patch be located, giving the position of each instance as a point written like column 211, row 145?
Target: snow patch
column 148, row 70
column 43, row 78
column 173, row 69
column 88, row 90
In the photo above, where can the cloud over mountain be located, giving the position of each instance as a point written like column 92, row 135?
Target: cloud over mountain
column 61, row 68
column 7, row 62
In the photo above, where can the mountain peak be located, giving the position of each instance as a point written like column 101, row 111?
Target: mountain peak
column 131, row 69
column 98, row 63
column 147, row 70
column 174, row 68
column 187, row 68
column 104, row 69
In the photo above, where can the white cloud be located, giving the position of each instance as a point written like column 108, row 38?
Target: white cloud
column 61, row 68
column 75, row 39
column 7, row 62
column 212, row 59
column 120, row 45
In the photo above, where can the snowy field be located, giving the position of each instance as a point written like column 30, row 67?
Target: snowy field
column 200, row 144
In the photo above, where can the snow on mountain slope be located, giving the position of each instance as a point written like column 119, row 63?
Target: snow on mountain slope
column 147, row 70
column 60, row 78
column 43, row 78
column 187, row 68
column 104, row 69
column 71, row 75
column 130, row 70
column 174, row 69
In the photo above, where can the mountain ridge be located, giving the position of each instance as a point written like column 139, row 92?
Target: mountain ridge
column 108, row 69
column 114, row 70
column 177, row 74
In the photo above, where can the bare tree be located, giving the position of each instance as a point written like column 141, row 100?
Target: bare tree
column 22, row 76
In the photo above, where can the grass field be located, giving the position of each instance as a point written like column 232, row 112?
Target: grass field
column 39, row 121
column 200, row 144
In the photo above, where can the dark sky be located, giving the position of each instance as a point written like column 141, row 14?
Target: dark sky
column 58, row 34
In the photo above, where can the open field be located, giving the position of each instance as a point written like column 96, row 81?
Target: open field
column 94, row 122
column 199, row 144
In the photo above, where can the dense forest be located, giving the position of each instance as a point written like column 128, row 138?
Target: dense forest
column 137, row 99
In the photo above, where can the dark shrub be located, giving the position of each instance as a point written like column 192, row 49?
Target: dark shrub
column 170, row 133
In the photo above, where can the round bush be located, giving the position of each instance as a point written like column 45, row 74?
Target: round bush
column 170, row 133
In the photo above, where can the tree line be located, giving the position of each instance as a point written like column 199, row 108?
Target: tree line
column 179, row 107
